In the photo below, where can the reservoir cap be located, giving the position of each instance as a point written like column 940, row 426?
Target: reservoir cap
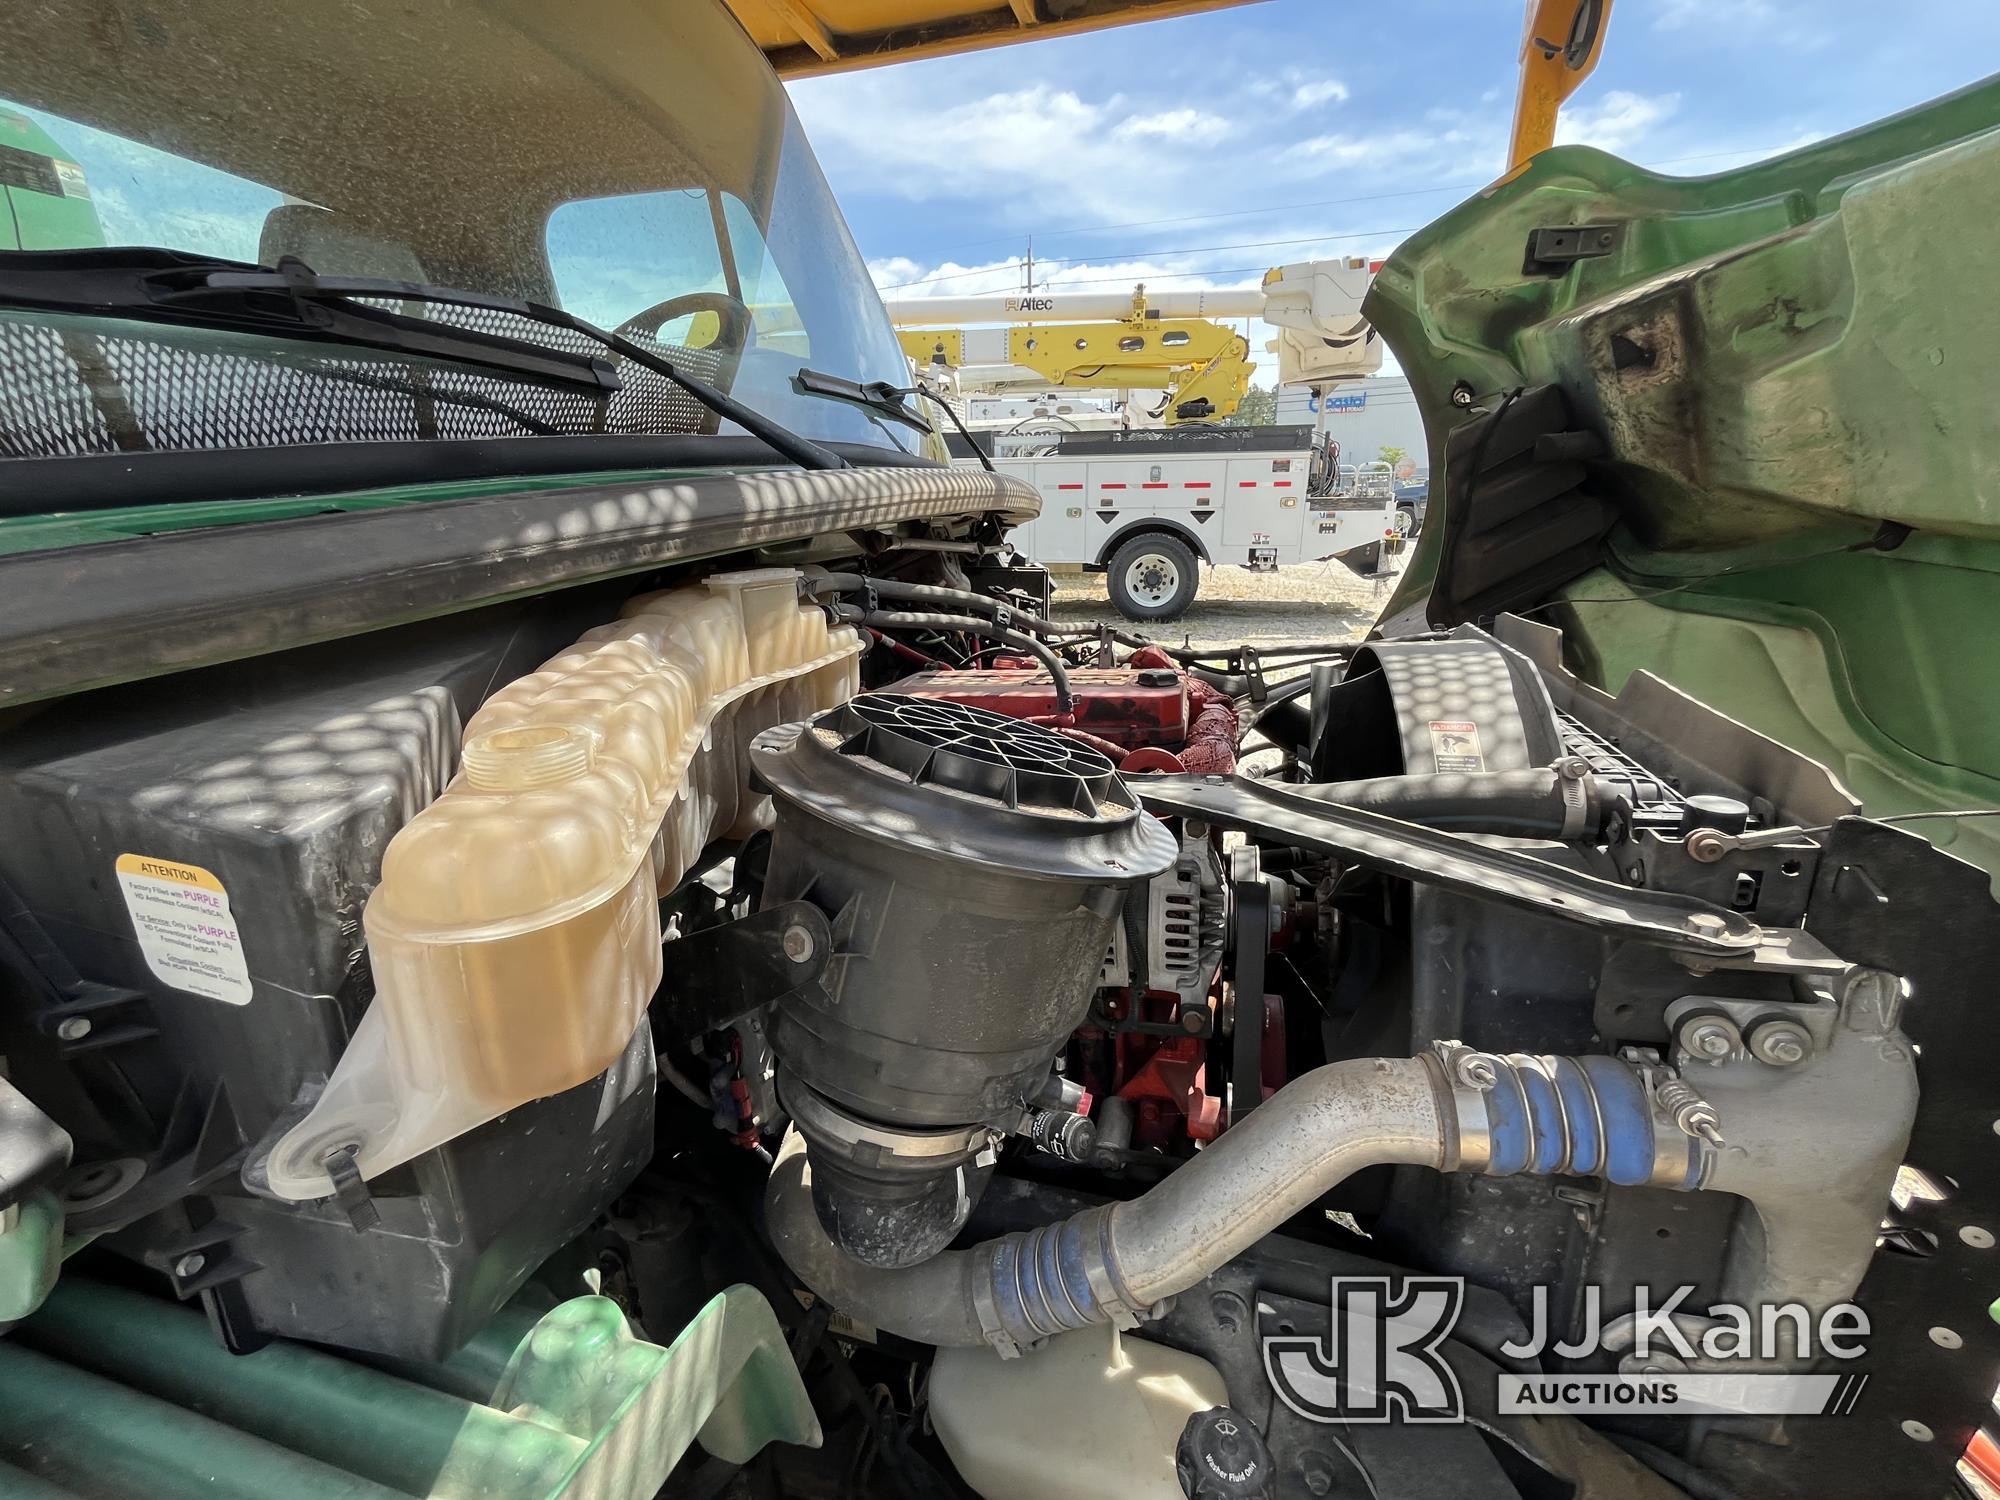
column 1222, row 1455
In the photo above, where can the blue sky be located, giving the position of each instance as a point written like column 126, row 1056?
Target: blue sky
column 1300, row 128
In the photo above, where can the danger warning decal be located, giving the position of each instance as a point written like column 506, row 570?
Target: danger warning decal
column 181, row 916
column 1455, row 745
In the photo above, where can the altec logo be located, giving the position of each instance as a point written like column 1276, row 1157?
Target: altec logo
column 1386, row 1359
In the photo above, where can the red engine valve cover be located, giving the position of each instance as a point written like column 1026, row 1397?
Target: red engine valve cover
column 1129, row 707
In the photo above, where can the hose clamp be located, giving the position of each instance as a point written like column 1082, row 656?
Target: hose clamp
column 1573, row 781
column 828, row 1127
column 1590, row 1116
column 1049, row 1280
column 1463, row 1079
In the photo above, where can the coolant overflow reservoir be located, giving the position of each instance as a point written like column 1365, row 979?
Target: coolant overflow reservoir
column 515, row 934
column 513, row 760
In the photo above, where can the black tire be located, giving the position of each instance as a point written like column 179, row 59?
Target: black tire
column 1153, row 576
column 1406, row 522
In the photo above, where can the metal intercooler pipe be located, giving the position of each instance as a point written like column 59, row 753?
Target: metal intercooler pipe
column 1452, row 1110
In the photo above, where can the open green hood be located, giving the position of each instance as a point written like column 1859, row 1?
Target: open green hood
column 1740, row 431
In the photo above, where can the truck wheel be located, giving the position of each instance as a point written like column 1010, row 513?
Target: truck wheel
column 1406, row 521
column 1153, row 577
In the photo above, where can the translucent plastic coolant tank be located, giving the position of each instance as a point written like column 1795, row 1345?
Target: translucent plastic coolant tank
column 515, row 935
column 1087, row 1416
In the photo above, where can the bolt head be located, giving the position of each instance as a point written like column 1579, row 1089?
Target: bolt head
column 1706, row 846
column 1475, row 1070
column 798, row 944
column 1782, row 1044
column 189, row 1266
column 1709, row 1041
column 1707, row 921
column 73, row 1028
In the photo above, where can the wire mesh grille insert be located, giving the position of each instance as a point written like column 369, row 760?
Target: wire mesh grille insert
column 932, row 742
column 104, row 387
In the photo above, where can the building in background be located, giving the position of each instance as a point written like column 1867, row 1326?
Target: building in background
column 1364, row 416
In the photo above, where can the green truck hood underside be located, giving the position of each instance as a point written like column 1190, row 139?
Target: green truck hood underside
column 1774, row 363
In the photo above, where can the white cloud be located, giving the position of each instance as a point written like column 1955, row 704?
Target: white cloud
column 1617, row 122
column 899, row 277
column 1319, row 91
column 1048, row 155
column 1037, row 155
column 1295, row 89
column 1412, row 155
column 1171, row 123
column 1040, row 146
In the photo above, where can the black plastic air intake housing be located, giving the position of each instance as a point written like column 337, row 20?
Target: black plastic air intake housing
column 972, row 868
column 1423, row 707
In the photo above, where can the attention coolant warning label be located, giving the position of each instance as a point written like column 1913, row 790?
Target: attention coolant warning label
column 1455, row 745
column 181, row 915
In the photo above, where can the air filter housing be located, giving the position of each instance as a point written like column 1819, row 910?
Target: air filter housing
column 972, row 867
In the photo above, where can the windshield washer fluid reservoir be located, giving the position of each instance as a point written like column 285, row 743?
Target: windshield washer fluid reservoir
column 1085, row 1416
column 515, row 935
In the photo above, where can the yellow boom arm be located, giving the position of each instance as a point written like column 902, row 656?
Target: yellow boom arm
column 1204, row 367
column 1559, row 46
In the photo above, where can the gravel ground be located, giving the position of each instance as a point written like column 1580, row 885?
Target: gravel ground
column 1306, row 602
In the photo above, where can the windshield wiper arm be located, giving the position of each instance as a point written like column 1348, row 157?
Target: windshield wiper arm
column 876, row 395
column 165, row 286
column 889, row 400
column 293, row 301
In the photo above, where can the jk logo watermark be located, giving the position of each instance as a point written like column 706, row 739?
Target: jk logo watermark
column 1386, row 1357
column 1382, row 1363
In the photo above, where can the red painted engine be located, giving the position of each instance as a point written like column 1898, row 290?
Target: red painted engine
column 1127, row 706
column 1147, row 715
column 1147, row 1048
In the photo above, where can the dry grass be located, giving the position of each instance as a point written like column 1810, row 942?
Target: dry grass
column 1306, row 602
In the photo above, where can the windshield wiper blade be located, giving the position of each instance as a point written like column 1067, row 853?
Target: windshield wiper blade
column 889, row 400
column 876, row 395
column 165, row 286
column 294, row 301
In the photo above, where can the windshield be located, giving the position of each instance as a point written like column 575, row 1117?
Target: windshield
column 634, row 162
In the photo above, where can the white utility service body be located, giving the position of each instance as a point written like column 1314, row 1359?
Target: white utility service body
column 1247, row 508
column 1246, row 504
